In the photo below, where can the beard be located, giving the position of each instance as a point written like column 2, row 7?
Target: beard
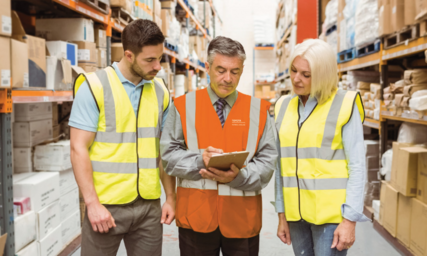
column 137, row 71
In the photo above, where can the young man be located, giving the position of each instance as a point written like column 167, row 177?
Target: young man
column 116, row 122
column 219, row 210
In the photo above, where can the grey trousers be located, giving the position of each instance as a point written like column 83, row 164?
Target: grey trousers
column 138, row 224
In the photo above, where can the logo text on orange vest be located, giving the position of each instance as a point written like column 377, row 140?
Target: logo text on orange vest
column 237, row 122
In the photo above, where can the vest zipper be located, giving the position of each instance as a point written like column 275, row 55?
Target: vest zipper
column 137, row 155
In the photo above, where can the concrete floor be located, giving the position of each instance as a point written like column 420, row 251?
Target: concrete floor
column 368, row 241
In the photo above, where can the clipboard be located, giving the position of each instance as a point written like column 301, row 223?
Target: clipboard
column 224, row 161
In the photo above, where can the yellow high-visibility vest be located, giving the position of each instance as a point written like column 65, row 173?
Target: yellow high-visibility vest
column 313, row 162
column 125, row 152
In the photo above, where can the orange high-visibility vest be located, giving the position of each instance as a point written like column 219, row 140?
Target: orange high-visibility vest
column 203, row 205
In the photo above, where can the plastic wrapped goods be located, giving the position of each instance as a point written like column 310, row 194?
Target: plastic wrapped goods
column 350, row 18
column 412, row 133
column 263, row 30
column 366, row 26
column 418, row 103
column 386, row 163
column 415, row 76
column 331, row 13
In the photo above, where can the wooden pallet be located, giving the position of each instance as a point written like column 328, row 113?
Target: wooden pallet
column 171, row 47
column 346, row 55
column 98, row 5
column 123, row 16
column 368, row 49
column 407, row 34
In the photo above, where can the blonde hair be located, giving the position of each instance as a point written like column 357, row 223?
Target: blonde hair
column 323, row 65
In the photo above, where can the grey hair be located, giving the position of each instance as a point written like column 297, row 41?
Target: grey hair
column 225, row 46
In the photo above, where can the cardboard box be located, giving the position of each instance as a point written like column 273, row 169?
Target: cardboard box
column 33, row 111
column 67, row 181
column 117, row 52
column 25, row 229
column 63, row 50
column 125, row 4
column 78, row 29
column 58, row 74
column 266, row 91
column 52, row 243
column 36, row 61
column 29, row 250
column 88, row 67
column 391, row 205
column 28, row 134
column 71, row 227
column 55, row 113
column 406, row 182
column 5, row 62
column 420, row 9
column 42, row 188
column 384, row 18
column 48, row 219
column 166, row 19
column 53, row 156
column 418, row 235
column 102, row 57
column 6, row 20
column 410, row 12
column 87, row 52
column 19, row 64
column 22, row 160
column 422, row 179
column 397, row 15
column 100, row 37
column 69, row 203
column 404, row 220
column 372, row 147
column 395, row 161
column 168, row 4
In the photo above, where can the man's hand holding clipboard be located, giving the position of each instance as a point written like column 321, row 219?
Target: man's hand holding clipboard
column 216, row 162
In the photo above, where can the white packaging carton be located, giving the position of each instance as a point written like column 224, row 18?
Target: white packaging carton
column 21, row 176
column 69, row 203
column 63, row 50
column 52, row 243
column 22, row 160
column 71, row 227
column 33, row 111
column 67, row 181
column 42, row 188
column 48, row 219
column 28, row 134
column 25, row 230
column 78, row 29
column 29, row 250
column 53, row 156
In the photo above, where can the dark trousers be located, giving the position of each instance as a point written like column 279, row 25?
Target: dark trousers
column 193, row 243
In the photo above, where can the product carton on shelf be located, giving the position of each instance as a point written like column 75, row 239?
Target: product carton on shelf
column 422, row 179
column 29, row 250
column 28, row 134
column 53, row 156
column 22, row 204
column 19, row 51
column 22, row 160
column 102, row 57
column 67, row 181
column 69, row 203
column 33, row 111
column 397, row 14
column 391, row 204
column 78, row 29
column 25, row 229
column 100, row 37
column 166, row 15
column 418, row 236
column 404, row 220
column 125, row 4
column 42, row 189
column 71, row 227
column 382, row 201
column 87, row 52
column 6, row 20
column 52, row 243
column 407, row 172
column 395, row 161
column 117, row 52
column 5, row 74
column 63, row 50
column 58, row 74
column 384, row 17
column 409, row 12
column 48, row 219
column 88, row 67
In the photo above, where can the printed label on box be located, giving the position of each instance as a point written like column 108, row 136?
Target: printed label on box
column 84, row 54
column 6, row 24
column 26, row 82
column 5, row 77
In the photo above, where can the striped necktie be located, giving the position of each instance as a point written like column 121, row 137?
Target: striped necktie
column 219, row 110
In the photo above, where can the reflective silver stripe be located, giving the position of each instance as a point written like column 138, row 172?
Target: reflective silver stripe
column 160, row 93
column 309, row 153
column 323, row 184
column 113, row 137
column 109, row 105
column 190, row 113
column 204, row 184
column 315, row 184
column 290, row 182
column 253, row 128
column 148, row 163
column 332, row 119
column 148, row 132
column 282, row 111
column 110, row 167
column 225, row 190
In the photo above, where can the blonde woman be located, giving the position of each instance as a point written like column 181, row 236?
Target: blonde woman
column 321, row 172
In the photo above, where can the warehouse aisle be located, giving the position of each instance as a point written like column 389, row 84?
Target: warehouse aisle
column 368, row 241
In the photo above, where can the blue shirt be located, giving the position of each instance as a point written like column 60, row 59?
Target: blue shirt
column 85, row 113
column 354, row 150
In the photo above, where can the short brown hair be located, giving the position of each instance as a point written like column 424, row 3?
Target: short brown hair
column 140, row 33
column 225, row 46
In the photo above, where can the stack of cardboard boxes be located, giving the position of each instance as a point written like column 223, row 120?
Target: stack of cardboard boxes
column 394, row 15
column 403, row 199
column 5, row 34
column 157, row 13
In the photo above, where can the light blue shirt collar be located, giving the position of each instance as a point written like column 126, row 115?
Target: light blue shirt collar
column 124, row 80
column 310, row 99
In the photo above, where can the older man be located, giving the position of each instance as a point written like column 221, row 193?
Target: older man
column 219, row 209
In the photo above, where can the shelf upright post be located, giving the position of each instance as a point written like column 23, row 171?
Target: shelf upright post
column 109, row 33
column 383, row 125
